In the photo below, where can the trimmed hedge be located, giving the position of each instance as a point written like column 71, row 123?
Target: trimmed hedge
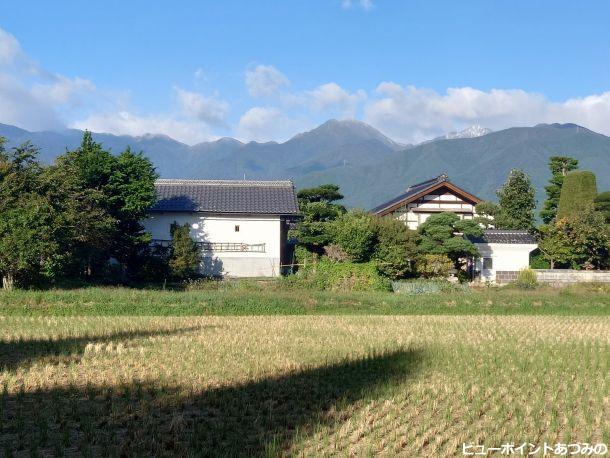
column 579, row 189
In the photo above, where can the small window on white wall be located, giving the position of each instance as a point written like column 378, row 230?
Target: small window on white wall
column 488, row 263
column 237, row 228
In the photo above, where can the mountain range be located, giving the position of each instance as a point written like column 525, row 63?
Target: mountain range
column 369, row 166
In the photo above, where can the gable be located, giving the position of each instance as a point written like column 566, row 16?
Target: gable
column 439, row 197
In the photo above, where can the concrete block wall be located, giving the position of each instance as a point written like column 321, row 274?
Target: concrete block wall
column 561, row 277
column 506, row 276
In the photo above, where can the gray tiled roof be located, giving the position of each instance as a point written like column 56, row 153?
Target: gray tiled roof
column 411, row 191
column 504, row 236
column 226, row 196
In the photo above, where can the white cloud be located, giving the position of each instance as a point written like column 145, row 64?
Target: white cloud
column 364, row 4
column 63, row 90
column 10, row 49
column 128, row 123
column 210, row 110
column 412, row 114
column 31, row 96
column 265, row 81
column 269, row 123
column 334, row 97
column 20, row 107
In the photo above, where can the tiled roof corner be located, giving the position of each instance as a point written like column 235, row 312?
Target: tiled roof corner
column 507, row 236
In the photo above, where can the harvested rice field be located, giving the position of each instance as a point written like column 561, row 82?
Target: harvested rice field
column 300, row 385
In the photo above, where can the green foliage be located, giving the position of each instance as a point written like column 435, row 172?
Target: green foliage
column 73, row 217
column 326, row 193
column 444, row 234
column 581, row 241
column 559, row 166
column 113, row 194
column 602, row 205
column 339, row 276
column 185, row 257
column 154, row 265
column 487, row 212
column 526, row 279
column 396, row 247
column 317, row 209
column 517, row 202
column 29, row 230
column 579, row 190
column 434, row 266
column 538, row 261
column 354, row 232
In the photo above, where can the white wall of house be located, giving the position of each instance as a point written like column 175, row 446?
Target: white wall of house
column 221, row 229
column 505, row 257
column 415, row 213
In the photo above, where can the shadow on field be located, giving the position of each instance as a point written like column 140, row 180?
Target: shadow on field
column 262, row 417
column 15, row 353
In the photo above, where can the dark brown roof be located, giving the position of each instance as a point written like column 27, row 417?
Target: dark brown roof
column 504, row 236
column 417, row 190
column 226, row 196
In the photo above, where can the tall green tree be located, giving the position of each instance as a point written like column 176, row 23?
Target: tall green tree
column 114, row 193
column 559, row 166
column 517, row 201
column 318, row 207
column 29, row 228
column 578, row 193
column 443, row 234
column 602, row 205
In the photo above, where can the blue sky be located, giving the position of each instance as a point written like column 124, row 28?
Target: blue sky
column 267, row 70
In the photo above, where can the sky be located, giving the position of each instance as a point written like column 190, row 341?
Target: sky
column 266, row 70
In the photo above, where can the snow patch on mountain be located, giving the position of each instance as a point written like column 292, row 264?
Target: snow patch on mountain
column 470, row 132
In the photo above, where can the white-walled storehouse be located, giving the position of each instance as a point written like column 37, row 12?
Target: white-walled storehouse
column 240, row 226
column 503, row 254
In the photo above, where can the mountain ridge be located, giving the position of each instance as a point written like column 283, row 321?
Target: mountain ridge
column 369, row 166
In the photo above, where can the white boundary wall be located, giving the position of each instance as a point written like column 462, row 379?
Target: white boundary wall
column 561, row 277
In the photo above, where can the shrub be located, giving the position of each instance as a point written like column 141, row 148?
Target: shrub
column 185, row 256
column 336, row 253
column 396, row 247
column 434, row 266
column 339, row 276
column 355, row 234
column 526, row 279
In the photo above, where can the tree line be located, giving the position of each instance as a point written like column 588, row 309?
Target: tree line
column 80, row 218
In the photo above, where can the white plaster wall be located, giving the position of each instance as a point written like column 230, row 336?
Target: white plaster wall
column 431, row 206
column 505, row 257
column 221, row 229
